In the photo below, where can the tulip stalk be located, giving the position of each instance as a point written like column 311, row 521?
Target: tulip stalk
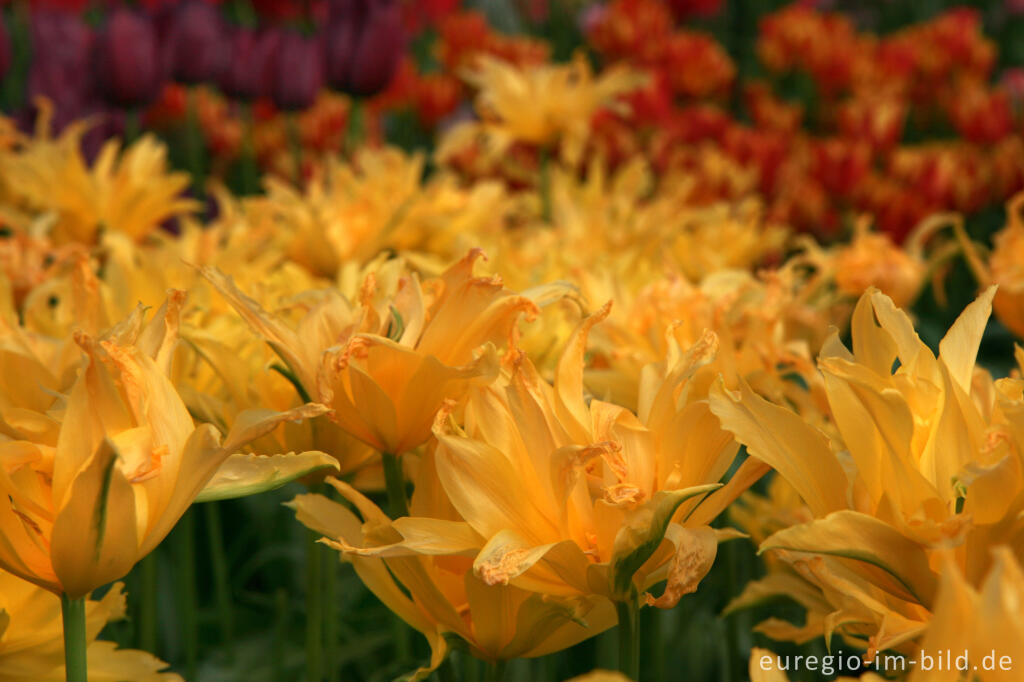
column 132, row 125
column 187, row 597
column 355, row 130
column 629, row 638
column 147, row 635
column 221, row 584
column 295, row 141
column 395, row 483
column 194, row 143
column 330, row 614
column 75, row 665
column 314, row 609
column 250, row 164
column 496, row 671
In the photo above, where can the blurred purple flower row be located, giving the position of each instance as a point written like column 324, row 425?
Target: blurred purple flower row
column 124, row 59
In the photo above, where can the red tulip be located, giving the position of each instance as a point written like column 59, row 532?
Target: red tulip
column 300, row 70
column 5, row 48
column 365, row 43
column 61, row 72
column 127, row 59
column 196, row 43
column 250, row 70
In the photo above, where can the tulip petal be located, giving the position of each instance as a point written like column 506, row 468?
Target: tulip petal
column 241, row 475
column 642, row 533
column 749, row 473
column 107, row 663
column 256, row 423
column 200, row 459
column 877, row 551
column 480, row 482
column 782, row 439
column 334, row 520
column 423, row 536
column 95, row 539
column 546, row 629
column 283, row 340
column 696, row 549
column 764, row 667
column 959, row 347
column 559, row 567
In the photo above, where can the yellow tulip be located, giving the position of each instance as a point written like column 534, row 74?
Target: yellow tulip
column 872, row 260
column 386, row 364
column 926, row 457
column 379, row 201
column 129, row 191
column 580, row 495
column 32, row 646
column 976, row 633
column 543, row 105
column 1004, row 267
column 762, row 324
column 984, row 621
column 116, row 462
column 421, row 567
column 543, row 501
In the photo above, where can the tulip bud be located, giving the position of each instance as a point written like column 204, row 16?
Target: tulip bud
column 250, row 70
column 196, row 47
column 127, row 58
column 299, row 70
column 365, row 45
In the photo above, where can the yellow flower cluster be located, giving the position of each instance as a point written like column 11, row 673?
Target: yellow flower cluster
column 918, row 489
column 569, row 412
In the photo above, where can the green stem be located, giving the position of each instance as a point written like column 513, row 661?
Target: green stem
column 395, row 482
column 660, row 647
column 629, row 639
column 148, row 603
column 314, row 612
column 132, row 125
column 295, row 141
column 280, row 634
column 496, row 671
column 330, row 613
column 446, row 671
column 356, row 129
column 250, row 164
column 75, row 665
column 194, row 145
column 187, row 596
column 398, row 506
column 221, row 584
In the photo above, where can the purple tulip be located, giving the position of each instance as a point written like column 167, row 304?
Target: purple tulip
column 61, row 65
column 127, row 58
column 299, row 70
column 5, row 48
column 195, row 44
column 365, row 42
column 250, row 70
